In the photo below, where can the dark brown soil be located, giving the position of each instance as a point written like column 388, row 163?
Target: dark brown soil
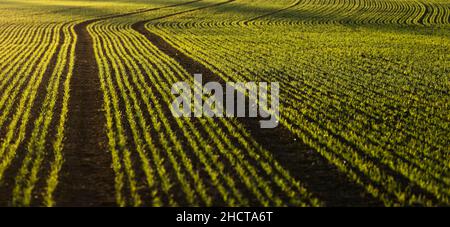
column 87, row 178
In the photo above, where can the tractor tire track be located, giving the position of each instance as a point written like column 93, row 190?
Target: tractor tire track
column 87, row 178
column 319, row 176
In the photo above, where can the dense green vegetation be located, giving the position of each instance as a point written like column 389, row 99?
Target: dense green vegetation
column 367, row 91
column 364, row 83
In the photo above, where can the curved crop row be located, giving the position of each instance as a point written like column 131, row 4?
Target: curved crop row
column 36, row 63
column 375, row 108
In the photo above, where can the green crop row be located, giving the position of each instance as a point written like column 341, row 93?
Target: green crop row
column 37, row 58
column 25, row 72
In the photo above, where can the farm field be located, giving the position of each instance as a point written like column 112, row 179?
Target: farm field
column 85, row 96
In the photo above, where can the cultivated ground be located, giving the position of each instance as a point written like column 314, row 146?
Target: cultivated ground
column 85, row 92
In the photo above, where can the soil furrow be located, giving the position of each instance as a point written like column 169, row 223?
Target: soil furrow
column 87, row 178
column 319, row 176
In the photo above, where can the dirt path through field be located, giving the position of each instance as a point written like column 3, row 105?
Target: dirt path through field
column 87, row 178
column 320, row 177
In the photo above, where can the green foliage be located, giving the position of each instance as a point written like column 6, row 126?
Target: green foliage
column 367, row 90
column 364, row 83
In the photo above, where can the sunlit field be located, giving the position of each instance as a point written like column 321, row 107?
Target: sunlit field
column 85, row 96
